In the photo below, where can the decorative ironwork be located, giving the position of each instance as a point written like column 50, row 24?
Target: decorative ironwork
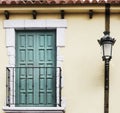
column 8, row 87
column 11, row 81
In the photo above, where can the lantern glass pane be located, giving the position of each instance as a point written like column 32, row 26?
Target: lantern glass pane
column 107, row 50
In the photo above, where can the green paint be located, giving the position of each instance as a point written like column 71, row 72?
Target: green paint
column 33, row 86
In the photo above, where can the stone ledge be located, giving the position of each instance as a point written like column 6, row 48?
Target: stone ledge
column 33, row 109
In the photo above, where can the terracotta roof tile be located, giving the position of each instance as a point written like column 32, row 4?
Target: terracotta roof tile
column 70, row 1
column 87, row 1
column 13, row 2
column 102, row 1
column 49, row 2
column 62, row 2
column 114, row 1
column 94, row 1
column 52, row 2
column 79, row 2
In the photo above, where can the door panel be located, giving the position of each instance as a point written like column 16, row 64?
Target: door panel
column 35, row 80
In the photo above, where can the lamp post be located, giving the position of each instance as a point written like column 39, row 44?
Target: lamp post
column 106, row 42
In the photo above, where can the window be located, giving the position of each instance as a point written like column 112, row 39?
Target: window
column 28, row 50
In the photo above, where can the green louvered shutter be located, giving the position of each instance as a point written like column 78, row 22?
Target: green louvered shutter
column 35, row 86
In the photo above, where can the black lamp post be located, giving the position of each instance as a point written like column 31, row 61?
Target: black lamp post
column 106, row 42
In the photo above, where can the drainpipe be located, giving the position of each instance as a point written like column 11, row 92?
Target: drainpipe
column 107, row 19
column 106, row 80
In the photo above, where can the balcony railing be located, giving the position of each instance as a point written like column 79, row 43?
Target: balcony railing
column 11, row 81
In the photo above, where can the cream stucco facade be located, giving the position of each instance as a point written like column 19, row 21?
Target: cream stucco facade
column 80, row 56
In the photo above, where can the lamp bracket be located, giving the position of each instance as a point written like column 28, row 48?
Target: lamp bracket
column 90, row 14
column 7, row 14
column 62, row 12
column 34, row 13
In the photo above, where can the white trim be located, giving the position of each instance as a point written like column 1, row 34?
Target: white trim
column 61, row 37
column 12, row 25
column 9, row 34
column 33, row 109
column 54, row 23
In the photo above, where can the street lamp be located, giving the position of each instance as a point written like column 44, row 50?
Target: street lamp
column 106, row 42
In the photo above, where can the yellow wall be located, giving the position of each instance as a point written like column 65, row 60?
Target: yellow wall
column 83, row 68
column 3, row 64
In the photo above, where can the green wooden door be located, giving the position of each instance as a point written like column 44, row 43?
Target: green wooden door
column 35, row 72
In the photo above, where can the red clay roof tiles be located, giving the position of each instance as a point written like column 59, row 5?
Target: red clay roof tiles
column 49, row 2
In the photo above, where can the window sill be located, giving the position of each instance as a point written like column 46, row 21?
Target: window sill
column 33, row 109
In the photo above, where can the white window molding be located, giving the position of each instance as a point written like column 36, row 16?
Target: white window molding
column 34, row 109
column 35, row 24
column 11, row 25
